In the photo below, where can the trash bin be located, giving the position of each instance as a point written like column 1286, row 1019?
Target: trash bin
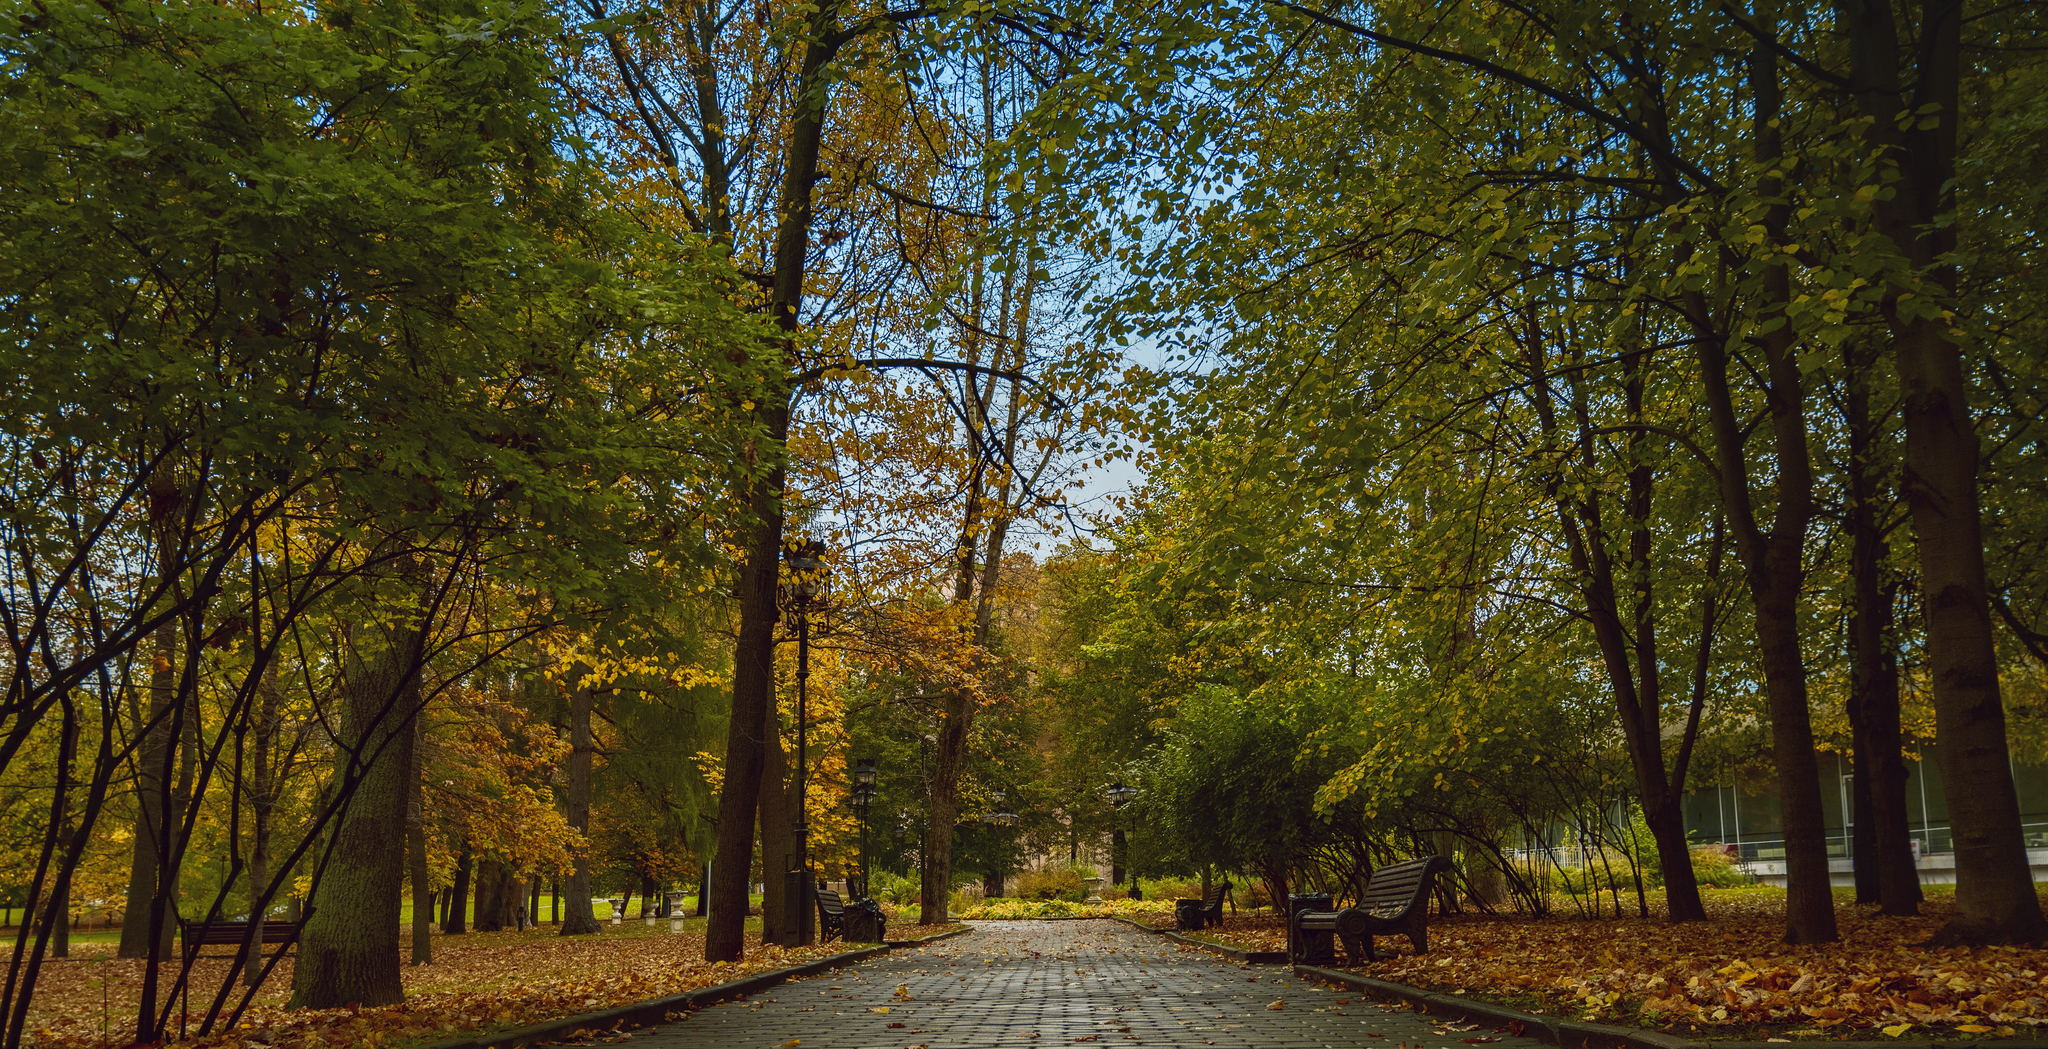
column 864, row 921
column 1311, row 948
column 1187, row 915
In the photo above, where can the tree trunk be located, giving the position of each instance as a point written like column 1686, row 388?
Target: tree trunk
column 58, row 916
column 1883, row 845
column 488, row 914
column 457, row 921
column 1772, row 562
column 349, row 949
column 581, row 919
column 936, row 877
column 1634, row 679
column 157, row 815
column 1995, row 899
column 779, row 924
column 512, row 901
column 533, row 903
column 416, row 854
column 263, row 793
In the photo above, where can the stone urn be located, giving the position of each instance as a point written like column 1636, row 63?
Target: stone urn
column 1094, row 889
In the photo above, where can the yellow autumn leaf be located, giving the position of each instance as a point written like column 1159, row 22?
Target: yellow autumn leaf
column 879, row 1009
column 1973, row 1028
column 1278, row 1005
column 791, row 1044
column 1896, row 1030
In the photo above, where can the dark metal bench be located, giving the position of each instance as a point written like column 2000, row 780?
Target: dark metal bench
column 1395, row 902
column 831, row 916
column 1188, row 918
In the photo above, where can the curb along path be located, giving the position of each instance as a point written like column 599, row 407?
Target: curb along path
column 1055, row 984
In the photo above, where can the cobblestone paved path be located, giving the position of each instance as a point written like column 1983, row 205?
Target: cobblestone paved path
column 1011, row 985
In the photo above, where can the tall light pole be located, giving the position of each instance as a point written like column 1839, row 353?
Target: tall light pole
column 807, row 571
column 1119, row 796
column 863, row 799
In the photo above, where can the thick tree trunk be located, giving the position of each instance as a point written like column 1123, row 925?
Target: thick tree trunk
column 1995, row 899
column 581, row 919
column 512, row 901
column 936, row 877
column 349, row 949
column 457, row 921
column 753, row 683
column 488, row 913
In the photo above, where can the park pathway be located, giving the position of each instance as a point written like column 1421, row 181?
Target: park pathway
column 1011, row 985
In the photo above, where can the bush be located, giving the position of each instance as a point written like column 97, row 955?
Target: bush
column 1713, row 868
column 893, row 888
column 1171, row 888
column 1054, row 883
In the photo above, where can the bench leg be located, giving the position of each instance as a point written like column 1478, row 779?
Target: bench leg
column 1355, row 953
column 1418, row 934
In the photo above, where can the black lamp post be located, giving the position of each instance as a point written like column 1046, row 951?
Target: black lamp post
column 1119, row 796
column 863, row 800
column 999, row 818
column 806, row 563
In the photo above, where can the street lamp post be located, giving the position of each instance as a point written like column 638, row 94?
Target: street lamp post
column 1119, row 796
column 807, row 567
column 999, row 818
column 863, row 799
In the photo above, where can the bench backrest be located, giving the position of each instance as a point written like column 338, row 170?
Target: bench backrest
column 1214, row 897
column 830, row 903
column 235, row 932
column 1396, row 888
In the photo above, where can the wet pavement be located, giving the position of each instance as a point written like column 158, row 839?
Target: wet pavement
column 1048, row 983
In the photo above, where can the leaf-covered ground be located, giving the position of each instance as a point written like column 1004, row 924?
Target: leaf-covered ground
column 1729, row 977
column 480, row 981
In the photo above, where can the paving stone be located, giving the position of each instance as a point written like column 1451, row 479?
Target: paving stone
column 1037, row 985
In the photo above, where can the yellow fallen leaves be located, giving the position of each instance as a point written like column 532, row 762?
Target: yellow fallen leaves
column 1732, row 970
column 1277, row 1005
column 477, row 981
column 883, row 1009
column 791, row 1044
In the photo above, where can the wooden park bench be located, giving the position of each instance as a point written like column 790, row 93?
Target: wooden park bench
column 197, row 935
column 831, row 916
column 1395, row 902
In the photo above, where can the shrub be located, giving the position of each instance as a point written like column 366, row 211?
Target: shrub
column 893, row 888
column 1054, row 883
column 1171, row 888
column 1712, row 867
